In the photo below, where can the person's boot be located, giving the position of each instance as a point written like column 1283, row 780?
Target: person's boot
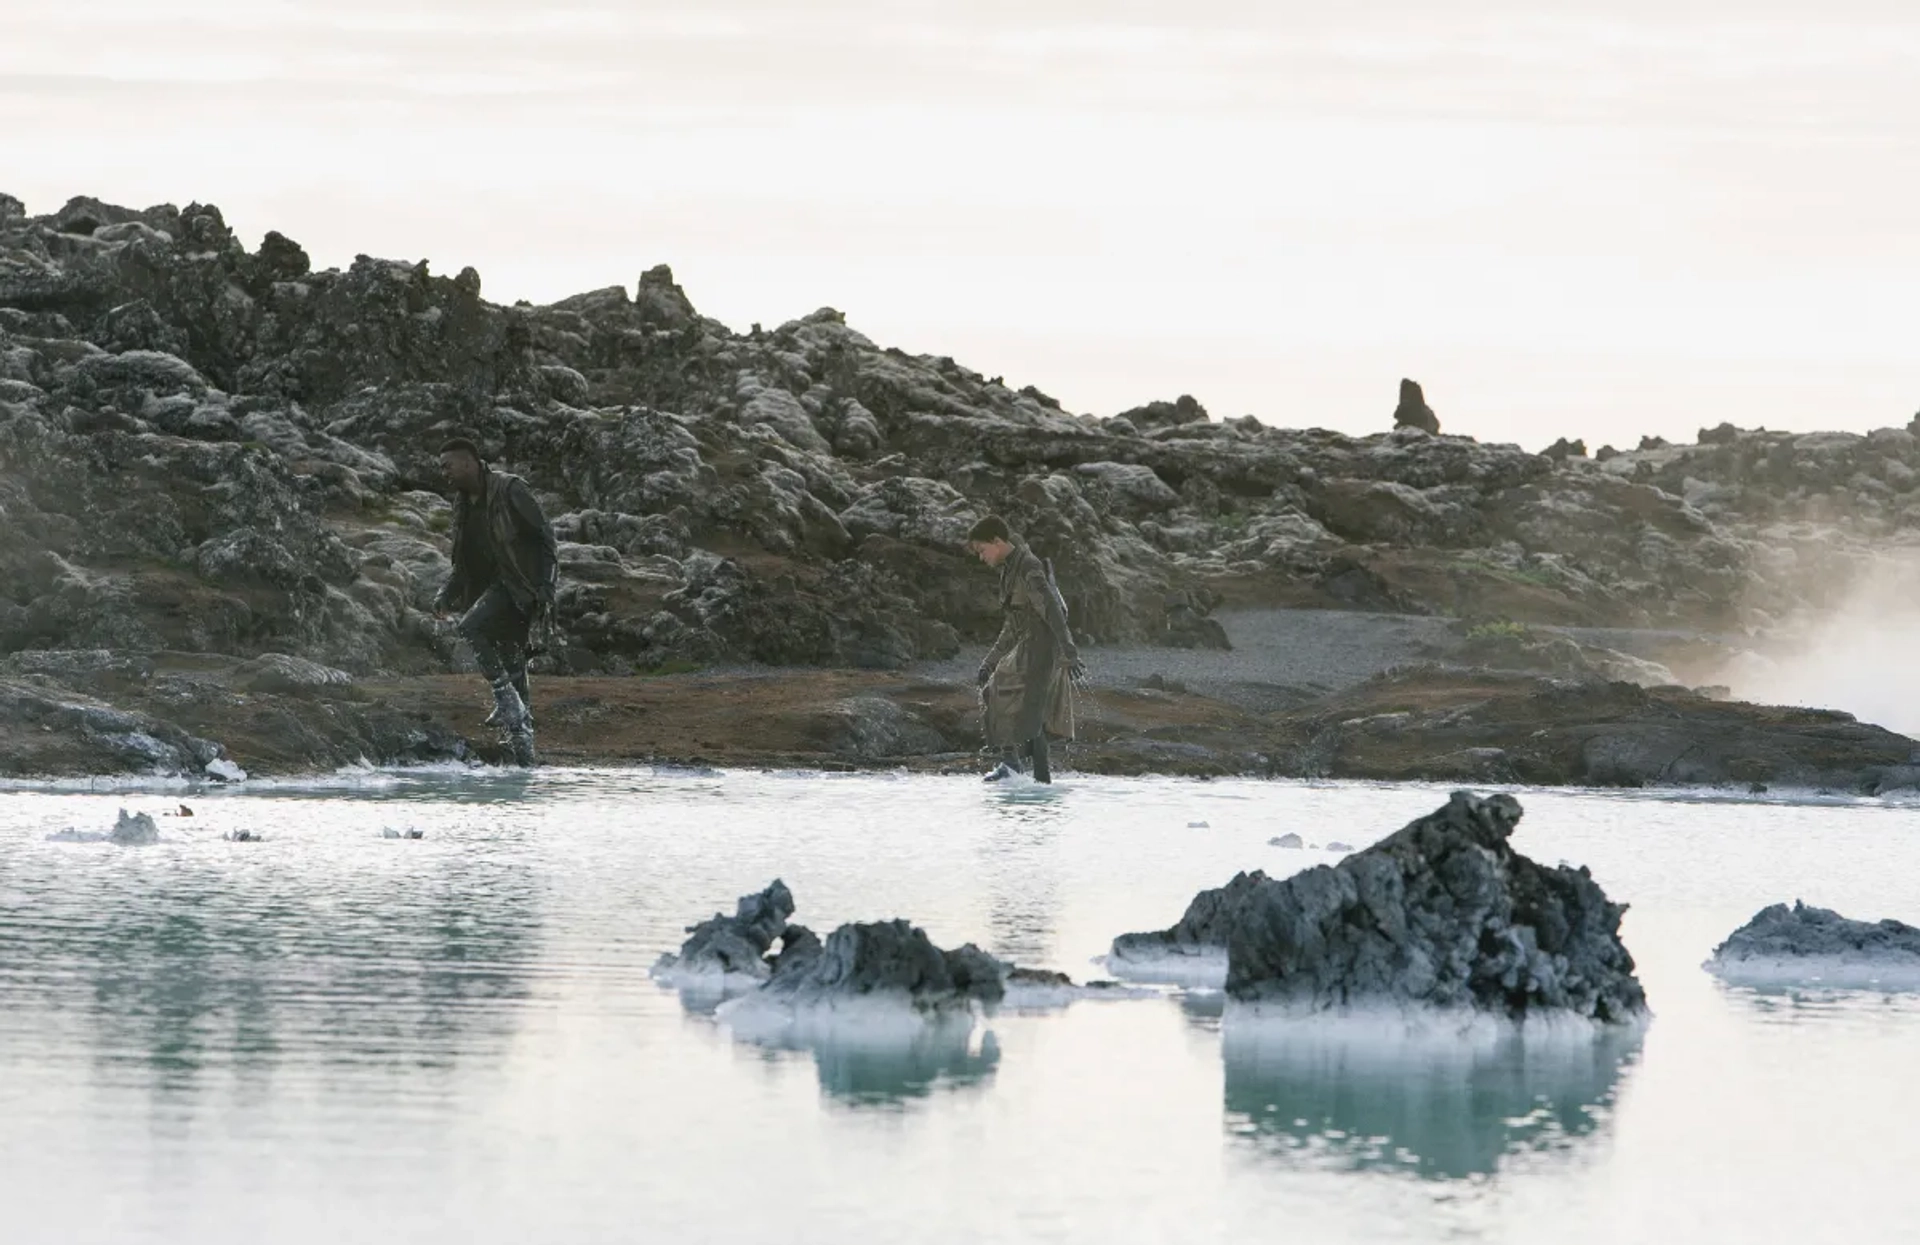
column 1008, row 767
column 526, row 701
column 1037, row 749
column 510, row 714
column 520, row 745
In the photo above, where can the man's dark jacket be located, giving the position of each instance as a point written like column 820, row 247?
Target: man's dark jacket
column 501, row 537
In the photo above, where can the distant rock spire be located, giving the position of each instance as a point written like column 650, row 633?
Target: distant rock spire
column 1413, row 411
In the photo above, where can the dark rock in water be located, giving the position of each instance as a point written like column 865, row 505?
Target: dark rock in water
column 1443, row 914
column 735, row 945
column 799, row 947
column 1286, row 840
column 1039, row 977
column 891, row 958
column 1194, row 949
column 1413, row 411
column 1808, row 945
column 135, row 831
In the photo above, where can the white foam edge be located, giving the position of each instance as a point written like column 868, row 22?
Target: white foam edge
column 1024, row 996
column 702, row 980
column 878, row 1021
column 1396, row 1036
column 1204, row 969
column 1831, row 972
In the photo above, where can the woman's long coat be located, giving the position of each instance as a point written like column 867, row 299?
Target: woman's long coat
column 1030, row 687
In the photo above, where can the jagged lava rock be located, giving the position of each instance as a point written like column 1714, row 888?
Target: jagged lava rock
column 1817, row 946
column 890, row 960
column 733, row 946
column 1443, row 914
column 1193, row 951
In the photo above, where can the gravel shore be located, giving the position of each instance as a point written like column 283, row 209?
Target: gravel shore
column 1283, row 658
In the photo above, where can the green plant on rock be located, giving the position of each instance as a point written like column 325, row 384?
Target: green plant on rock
column 1501, row 629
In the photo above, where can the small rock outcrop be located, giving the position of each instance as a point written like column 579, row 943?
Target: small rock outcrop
column 1413, row 411
column 738, row 945
column 1193, row 951
column 890, row 960
column 890, row 963
column 1817, row 946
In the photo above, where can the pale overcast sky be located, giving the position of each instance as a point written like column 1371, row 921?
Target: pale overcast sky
column 1619, row 218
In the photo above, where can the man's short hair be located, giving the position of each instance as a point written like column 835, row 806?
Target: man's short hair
column 460, row 445
column 988, row 530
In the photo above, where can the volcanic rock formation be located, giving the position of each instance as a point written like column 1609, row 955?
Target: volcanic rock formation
column 1809, row 946
column 220, row 463
column 884, row 962
column 1443, row 914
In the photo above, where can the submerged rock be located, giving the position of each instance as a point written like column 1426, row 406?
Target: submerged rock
column 1817, row 946
column 1286, row 840
column 136, row 830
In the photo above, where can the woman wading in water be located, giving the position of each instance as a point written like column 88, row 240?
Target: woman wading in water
column 1027, row 680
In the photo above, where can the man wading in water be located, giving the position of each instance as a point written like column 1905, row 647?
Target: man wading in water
column 1026, row 682
column 505, row 561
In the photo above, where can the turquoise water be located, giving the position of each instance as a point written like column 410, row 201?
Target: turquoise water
column 335, row 1036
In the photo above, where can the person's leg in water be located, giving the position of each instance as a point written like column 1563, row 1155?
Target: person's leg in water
column 1037, row 749
column 516, row 663
column 496, row 629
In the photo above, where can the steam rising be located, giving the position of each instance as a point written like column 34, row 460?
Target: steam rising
column 1858, row 657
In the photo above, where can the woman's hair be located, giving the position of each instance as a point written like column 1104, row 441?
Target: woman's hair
column 988, row 530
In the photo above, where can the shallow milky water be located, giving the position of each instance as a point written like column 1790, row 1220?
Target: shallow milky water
column 332, row 1036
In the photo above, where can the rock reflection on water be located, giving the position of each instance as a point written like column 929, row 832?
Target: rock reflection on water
column 947, row 1056
column 902, row 1058
column 1430, row 1109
